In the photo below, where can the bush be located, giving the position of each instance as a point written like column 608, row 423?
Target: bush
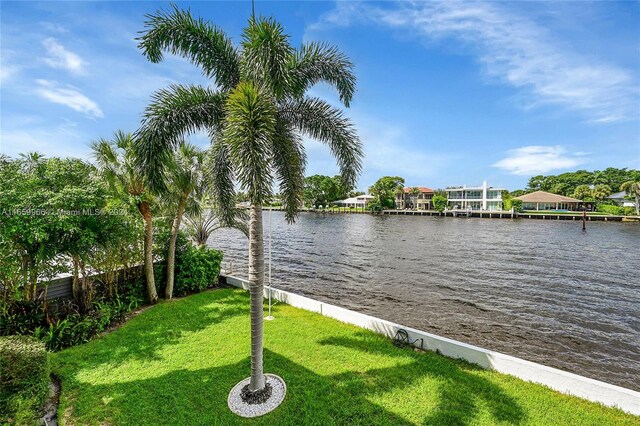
column 24, row 378
column 516, row 205
column 75, row 329
column 21, row 317
column 439, row 203
column 197, row 268
column 610, row 209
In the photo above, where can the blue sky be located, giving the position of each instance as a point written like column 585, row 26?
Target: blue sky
column 448, row 93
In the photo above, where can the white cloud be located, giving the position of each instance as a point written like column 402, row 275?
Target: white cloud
column 59, row 57
column 537, row 159
column 68, row 96
column 513, row 49
column 6, row 72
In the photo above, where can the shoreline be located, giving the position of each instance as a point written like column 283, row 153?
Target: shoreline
column 484, row 214
column 560, row 380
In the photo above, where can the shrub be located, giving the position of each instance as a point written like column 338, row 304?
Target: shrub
column 439, row 202
column 610, row 209
column 197, row 268
column 24, row 378
column 516, row 205
column 20, row 317
column 75, row 329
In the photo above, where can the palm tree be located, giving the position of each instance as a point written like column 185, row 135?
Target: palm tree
column 31, row 160
column 116, row 161
column 205, row 221
column 415, row 191
column 185, row 175
column 633, row 188
column 255, row 116
column 399, row 192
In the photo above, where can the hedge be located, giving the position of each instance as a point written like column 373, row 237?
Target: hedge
column 197, row 268
column 24, row 378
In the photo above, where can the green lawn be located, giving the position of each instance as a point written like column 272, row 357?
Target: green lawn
column 175, row 364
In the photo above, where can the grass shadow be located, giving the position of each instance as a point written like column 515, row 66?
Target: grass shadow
column 460, row 391
column 188, row 397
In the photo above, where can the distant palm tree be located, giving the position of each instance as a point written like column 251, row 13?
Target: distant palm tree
column 31, row 160
column 255, row 116
column 185, row 176
column 633, row 188
column 415, row 191
column 117, row 161
column 205, row 221
column 399, row 192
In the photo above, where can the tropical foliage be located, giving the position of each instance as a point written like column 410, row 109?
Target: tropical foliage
column 24, row 379
column 320, row 190
column 439, row 202
column 256, row 116
column 56, row 217
column 116, row 161
column 384, row 190
column 632, row 188
column 566, row 183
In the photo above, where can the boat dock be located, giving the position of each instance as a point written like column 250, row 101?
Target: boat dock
column 480, row 214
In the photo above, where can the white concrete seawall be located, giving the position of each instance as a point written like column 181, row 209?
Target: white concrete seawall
column 562, row 381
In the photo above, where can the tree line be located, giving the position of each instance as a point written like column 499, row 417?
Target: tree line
column 574, row 183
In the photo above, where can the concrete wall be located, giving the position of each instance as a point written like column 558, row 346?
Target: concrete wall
column 569, row 383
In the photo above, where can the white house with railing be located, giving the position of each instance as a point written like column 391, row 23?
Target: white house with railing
column 482, row 197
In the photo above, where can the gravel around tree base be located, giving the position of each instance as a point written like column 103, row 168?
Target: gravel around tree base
column 257, row 397
column 253, row 404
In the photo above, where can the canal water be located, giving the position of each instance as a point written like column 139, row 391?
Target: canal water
column 540, row 290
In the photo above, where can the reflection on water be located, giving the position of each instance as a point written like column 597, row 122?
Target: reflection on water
column 541, row 290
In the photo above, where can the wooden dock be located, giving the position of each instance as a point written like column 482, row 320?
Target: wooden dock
column 480, row 214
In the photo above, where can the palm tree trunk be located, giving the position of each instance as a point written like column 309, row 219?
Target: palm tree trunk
column 171, row 256
column 256, row 284
column 145, row 211
column 75, row 281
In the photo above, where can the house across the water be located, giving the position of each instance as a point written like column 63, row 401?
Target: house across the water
column 482, row 197
column 418, row 197
column 541, row 200
column 358, row 202
column 620, row 199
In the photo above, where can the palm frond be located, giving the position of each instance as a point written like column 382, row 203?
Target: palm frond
column 220, row 179
column 174, row 112
column 266, row 54
column 320, row 62
column 250, row 124
column 207, row 46
column 321, row 121
column 289, row 162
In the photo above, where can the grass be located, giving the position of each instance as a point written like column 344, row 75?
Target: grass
column 176, row 362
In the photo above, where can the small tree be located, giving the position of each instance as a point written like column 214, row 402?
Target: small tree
column 117, row 162
column 601, row 192
column 384, row 190
column 185, row 176
column 439, row 202
column 583, row 192
column 632, row 188
column 516, row 205
column 415, row 191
